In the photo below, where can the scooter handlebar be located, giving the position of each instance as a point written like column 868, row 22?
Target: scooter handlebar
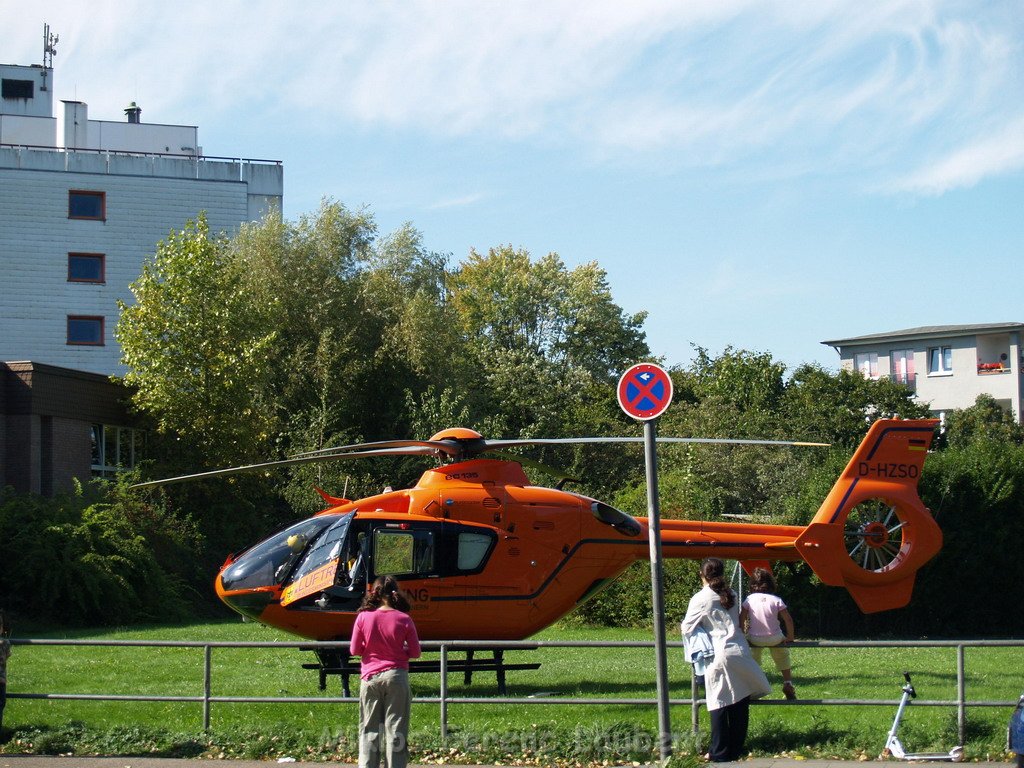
column 909, row 687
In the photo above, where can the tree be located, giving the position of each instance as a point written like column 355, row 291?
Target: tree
column 198, row 350
column 98, row 556
column 250, row 348
column 985, row 420
column 541, row 338
column 406, row 293
column 839, row 407
column 545, row 346
column 737, row 394
column 308, row 275
column 507, row 301
column 263, row 343
column 743, row 394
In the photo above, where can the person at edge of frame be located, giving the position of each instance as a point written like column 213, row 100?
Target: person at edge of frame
column 5, row 652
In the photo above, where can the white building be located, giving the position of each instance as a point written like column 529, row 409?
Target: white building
column 83, row 202
column 947, row 366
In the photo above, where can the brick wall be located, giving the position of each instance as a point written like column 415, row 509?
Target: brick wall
column 46, row 418
column 71, row 454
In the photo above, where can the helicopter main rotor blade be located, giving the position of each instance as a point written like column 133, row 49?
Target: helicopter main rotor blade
column 455, row 449
column 496, row 445
column 408, row 451
column 443, row 446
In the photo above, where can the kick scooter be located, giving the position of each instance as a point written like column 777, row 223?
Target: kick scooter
column 893, row 746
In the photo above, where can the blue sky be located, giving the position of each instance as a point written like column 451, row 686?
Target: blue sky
column 758, row 174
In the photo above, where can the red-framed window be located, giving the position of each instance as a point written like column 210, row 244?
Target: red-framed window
column 87, row 204
column 85, row 330
column 87, row 268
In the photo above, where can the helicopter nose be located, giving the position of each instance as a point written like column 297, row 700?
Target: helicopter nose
column 245, row 584
column 250, row 603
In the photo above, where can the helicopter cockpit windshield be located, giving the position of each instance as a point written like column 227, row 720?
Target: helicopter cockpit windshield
column 271, row 561
column 326, row 549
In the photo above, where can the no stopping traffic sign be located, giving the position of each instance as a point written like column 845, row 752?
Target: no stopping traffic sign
column 645, row 391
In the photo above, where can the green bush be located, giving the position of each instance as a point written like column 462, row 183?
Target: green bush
column 101, row 556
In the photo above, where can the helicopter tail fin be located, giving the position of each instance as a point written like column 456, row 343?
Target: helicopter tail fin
column 872, row 533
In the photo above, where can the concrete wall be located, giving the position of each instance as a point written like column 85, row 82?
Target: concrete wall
column 31, row 131
column 41, row 103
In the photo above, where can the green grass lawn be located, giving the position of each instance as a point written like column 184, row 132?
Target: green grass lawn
column 527, row 732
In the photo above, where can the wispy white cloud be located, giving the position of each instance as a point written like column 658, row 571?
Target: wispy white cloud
column 855, row 90
column 994, row 155
column 831, row 86
column 739, row 283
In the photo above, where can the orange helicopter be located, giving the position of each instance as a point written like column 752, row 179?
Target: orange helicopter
column 484, row 555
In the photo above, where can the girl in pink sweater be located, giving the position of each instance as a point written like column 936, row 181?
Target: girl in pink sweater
column 385, row 638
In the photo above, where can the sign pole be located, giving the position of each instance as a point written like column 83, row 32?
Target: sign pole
column 657, row 588
column 645, row 392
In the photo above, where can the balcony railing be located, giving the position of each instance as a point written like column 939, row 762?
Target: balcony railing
column 989, row 369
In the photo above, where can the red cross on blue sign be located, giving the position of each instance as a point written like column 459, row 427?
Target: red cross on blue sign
column 645, row 391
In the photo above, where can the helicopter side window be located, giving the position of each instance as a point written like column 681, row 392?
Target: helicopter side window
column 464, row 549
column 403, row 552
column 473, row 548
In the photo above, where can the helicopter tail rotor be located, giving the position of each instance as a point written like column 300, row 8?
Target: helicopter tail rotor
column 872, row 533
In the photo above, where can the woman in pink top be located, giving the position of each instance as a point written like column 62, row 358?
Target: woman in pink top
column 764, row 615
column 385, row 638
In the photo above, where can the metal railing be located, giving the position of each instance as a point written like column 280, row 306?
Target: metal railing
column 138, row 153
column 444, row 699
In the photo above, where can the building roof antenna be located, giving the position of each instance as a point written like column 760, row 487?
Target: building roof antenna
column 49, row 50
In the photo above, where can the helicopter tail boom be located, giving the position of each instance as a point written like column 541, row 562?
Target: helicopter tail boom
column 756, row 543
column 872, row 532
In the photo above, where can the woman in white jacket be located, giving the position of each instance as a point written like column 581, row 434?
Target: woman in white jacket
column 732, row 678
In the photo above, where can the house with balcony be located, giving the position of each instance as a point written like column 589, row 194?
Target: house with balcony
column 946, row 366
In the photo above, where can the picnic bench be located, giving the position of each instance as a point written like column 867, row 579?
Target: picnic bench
column 331, row 661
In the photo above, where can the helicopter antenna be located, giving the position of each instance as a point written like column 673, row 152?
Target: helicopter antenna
column 344, row 493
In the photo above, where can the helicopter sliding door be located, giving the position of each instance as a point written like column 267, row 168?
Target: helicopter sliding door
column 317, row 571
column 416, row 554
column 435, row 562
